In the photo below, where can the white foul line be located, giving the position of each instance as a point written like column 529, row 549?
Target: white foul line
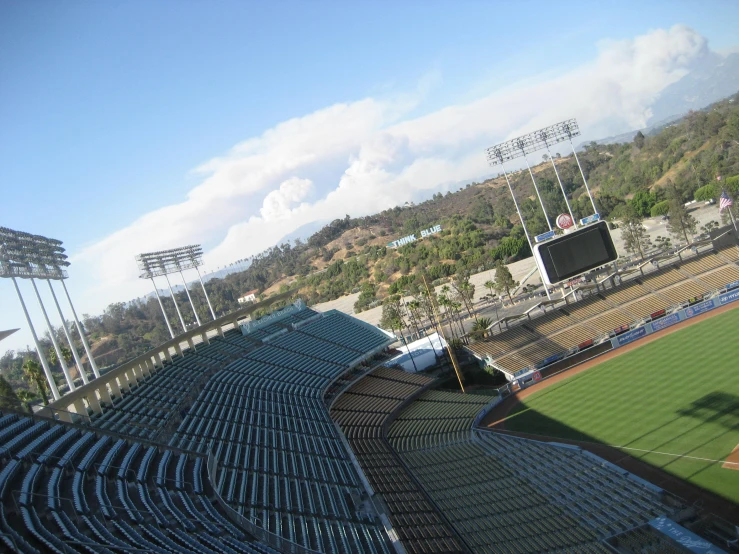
column 676, row 455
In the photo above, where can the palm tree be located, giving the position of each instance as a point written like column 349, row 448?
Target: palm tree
column 52, row 357
column 480, row 326
column 35, row 376
column 26, row 395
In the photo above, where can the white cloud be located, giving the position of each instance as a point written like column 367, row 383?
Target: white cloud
column 378, row 157
column 277, row 204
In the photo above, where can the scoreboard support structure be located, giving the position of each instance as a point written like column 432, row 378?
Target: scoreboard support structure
column 558, row 258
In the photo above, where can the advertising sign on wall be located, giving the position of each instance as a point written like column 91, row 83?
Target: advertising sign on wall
column 697, row 309
column 631, row 336
column 729, row 297
column 665, row 322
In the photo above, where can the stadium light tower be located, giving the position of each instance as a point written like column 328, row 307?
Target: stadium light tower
column 495, row 157
column 175, row 260
column 27, row 256
column 571, row 129
column 526, row 144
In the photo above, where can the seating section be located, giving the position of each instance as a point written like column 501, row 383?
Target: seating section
column 361, row 412
column 594, row 493
column 491, row 507
column 702, row 264
column 662, row 279
column 644, row 539
column 64, row 490
column 550, row 322
column 682, row 292
column 508, row 340
column 730, row 253
column 281, row 461
column 528, row 344
column 720, row 278
column 644, row 306
column 599, row 314
column 145, row 410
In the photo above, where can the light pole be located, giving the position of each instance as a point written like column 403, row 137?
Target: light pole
column 44, row 363
column 95, row 369
column 27, row 256
column 76, row 355
column 175, row 260
column 60, row 357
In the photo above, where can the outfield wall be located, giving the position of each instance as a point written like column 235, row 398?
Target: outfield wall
column 676, row 317
column 530, row 376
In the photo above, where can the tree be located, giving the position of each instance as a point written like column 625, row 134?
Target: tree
column 663, row 243
column 465, row 290
column 35, row 376
column 642, row 202
column 706, row 193
column 8, row 398
column 681, row 222
column 708, row 227
column 504, row 281
column 634, row 234
column 26, row 395
column 660, row 208
column 639, row 139
column 490, row 285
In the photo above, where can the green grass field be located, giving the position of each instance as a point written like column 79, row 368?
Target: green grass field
column 678, row 395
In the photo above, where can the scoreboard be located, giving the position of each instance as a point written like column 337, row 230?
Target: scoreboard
column 575, row 253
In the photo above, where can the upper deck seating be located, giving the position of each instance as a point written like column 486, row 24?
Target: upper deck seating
column 281, row 460
column 50, row 501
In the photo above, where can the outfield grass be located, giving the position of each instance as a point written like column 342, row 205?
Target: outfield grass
column 677, row 395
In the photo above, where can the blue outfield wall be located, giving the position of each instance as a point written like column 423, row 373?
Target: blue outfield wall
column 672, row 319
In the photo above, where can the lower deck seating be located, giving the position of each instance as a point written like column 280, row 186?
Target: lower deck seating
column 720, row 278
column 491, row 507
column 361, row 412
column 643, row 540
column 604, row 499
column 281, row 460
column 609, row 311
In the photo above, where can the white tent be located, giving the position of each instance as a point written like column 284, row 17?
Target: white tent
column 420, row 354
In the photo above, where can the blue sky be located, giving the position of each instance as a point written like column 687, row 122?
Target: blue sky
column 129, row 126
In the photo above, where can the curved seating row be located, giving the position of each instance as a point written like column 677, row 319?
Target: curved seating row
column 281, row 461
column 67, row 490
column 361, row 412
column 489, row 502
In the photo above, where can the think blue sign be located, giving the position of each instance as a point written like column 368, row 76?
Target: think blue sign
column 729, row 297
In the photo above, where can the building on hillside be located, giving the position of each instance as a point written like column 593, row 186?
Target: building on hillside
column 248, row 297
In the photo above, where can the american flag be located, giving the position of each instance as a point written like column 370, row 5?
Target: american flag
column 724, row 202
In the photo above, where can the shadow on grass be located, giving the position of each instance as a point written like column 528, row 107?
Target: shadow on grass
column 715, row 407
column 530, row 421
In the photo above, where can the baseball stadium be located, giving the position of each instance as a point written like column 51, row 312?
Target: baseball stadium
column 616, row 432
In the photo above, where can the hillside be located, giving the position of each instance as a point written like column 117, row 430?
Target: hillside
column 479, row 227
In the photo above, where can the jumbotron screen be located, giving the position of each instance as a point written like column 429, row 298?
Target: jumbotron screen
column 576, row 253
